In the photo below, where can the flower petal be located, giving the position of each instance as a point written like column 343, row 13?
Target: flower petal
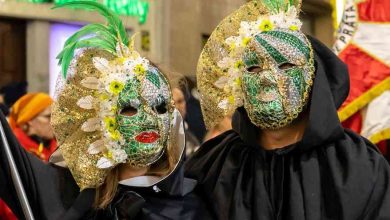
column 86, row 102
column 96, row 147
column 223, row 104
column 104, row 163
column 90, row 82
column 91, row 125
column 221, row 82
column 101, row 64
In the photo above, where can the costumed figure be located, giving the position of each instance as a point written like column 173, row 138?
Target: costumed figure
column 121, row 140
column 287, row 156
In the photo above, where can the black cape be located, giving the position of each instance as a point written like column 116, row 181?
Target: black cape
column 53, row 193
column 332, row 173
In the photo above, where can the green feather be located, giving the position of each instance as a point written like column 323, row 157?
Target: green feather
column 66, row 59
column 97, row 43
column 276, row 6
column 100, row 36
column 91, row 29
column 113, row 19
column 67, row 53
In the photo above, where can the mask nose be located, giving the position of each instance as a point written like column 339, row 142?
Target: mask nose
column 268, row 78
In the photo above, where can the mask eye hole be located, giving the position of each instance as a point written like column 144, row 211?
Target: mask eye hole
column 254, row 69
column 161, row 108
column 286, row 66
column 129, row 111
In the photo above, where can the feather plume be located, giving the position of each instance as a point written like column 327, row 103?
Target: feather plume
column 277, row 6
column 105, row 37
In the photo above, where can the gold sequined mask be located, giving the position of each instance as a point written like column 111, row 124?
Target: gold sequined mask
column 277, row 78
column 257, row 58
column 112, row 105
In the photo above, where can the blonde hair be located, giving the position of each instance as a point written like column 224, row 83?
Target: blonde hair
column 107, row 191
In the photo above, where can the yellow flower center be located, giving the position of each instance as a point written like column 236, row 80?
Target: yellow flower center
column 238, row 64
column 139, row 69
column 293, row 27
column 110, row 124
column 266, row 25
column 121, row 60
column 115, row 135
column 246, row 40
column 103, row 96
column 109, row 155
column 238, row 81
column 231, row 99
column 232, row 47
column 116, row 87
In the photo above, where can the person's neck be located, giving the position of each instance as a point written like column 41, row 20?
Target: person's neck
column 282, row 137
column 127, row 172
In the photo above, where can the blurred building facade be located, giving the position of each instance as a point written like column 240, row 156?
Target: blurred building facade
column 173, row 34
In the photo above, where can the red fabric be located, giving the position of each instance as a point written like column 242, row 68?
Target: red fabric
column 32, row 146
column 354, row 122
column 5, row 212
column 383, row 147
column 365, row 71
column 374, row 10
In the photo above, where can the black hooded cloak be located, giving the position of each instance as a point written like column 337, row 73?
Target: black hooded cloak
column 53, row 194
column 332, row 173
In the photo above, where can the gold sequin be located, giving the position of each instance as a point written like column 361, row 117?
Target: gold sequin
column 215, row 50
column 67, row 118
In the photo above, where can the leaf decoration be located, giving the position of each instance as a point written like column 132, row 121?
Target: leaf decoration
column 101, row 64
column 91, row 125
column 104, row 163
column 86, row 102
column 90, row 83
column 105, row 37
column 96, row 147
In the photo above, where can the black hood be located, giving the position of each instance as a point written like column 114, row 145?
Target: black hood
column 330, row 89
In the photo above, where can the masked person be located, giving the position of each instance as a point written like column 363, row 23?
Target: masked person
column 121, row 140
column 30, row 122
column 287, row 156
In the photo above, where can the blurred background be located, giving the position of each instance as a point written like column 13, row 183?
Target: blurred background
column 172, row 32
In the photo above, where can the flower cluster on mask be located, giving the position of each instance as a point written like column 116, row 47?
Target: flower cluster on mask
column 114, row 75
column 232, row 65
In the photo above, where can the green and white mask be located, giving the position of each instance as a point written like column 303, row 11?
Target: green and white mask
column 144, row 117
column 135, row 111
column 278, row 75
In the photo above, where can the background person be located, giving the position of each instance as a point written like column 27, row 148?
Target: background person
column 30, row 121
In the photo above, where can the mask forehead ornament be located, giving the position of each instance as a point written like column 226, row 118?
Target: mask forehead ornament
column 267, row 66
column 113, row 106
